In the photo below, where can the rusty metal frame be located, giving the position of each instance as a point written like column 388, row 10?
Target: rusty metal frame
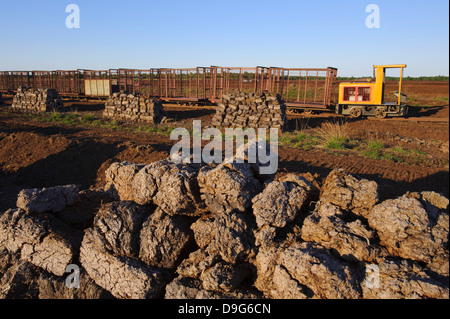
column 69, row 82
column 12, row 80
column 299, row 87
column 226, row 80
column 126, row 80
column 217, row 82
column 43, row 79
column 275, row 81
column 184, row 84
column 139, row 81
column 313, row 87
column 4, row 81
column 147, row 82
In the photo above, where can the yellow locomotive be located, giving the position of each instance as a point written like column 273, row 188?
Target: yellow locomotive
column 368, row 98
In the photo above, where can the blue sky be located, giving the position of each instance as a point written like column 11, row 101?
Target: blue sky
column 190, row 33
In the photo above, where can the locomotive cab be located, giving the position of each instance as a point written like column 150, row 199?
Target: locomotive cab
column 367, row 98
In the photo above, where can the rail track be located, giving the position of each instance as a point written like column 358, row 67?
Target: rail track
column 442, row 120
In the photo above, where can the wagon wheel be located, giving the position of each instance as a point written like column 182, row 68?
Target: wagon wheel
column 380, row 113
column 355, row 112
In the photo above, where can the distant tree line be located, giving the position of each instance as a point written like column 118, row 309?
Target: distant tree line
column 435, row 78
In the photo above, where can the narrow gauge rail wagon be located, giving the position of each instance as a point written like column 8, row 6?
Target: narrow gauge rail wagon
column 309, row 88
column 303, row 89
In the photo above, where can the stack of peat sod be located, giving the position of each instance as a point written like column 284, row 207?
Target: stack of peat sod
column 136, row 108
column 255, row 110
column 40, row 100
column 1, row 100
column 203, row 231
